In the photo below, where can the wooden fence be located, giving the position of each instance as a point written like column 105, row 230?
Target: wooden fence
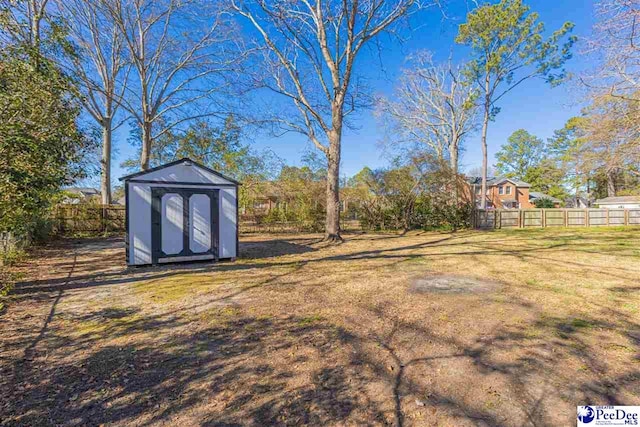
column 89, row 218
column 111, row 218
column 248, row 227
column 528, row 218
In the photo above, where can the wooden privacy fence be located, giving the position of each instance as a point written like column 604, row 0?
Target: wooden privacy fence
column 89, row 218
column 527, row 218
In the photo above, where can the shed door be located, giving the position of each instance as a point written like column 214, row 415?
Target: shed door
column 184, row 225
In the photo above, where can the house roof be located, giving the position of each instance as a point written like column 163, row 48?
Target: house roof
column 533, row 195
column 496, row 180
column 177, row 162
column 619, row 199
column 518, row 183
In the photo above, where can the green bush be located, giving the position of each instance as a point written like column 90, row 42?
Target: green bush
column 41, row 146
column 421, row 213
column 544, row 203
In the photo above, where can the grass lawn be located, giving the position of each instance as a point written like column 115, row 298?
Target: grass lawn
column 472, row 328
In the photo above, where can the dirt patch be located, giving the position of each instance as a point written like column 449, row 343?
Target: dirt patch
column 454, row 284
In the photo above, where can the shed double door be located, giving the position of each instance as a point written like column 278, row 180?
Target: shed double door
column 184, row 224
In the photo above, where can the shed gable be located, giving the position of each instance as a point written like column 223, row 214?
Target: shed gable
column 183, row 171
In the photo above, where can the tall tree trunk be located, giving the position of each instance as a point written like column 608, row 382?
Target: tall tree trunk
column 145, row 155
column 611, row 183
column 105, row 162
column 577, row 188
column 453, row 163
column 485, row 125
column 332, row 225
column 453, row 157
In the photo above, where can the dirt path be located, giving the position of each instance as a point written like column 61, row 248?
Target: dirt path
column 425, row 329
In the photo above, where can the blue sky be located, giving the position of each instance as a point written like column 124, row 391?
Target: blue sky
column 533, row 106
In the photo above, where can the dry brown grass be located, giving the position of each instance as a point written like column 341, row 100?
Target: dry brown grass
column 299, row 332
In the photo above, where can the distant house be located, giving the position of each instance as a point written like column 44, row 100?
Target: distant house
column 535, row 195
column 618, row 202
column 75, row 195
column 578, row 202
column 502, row 193
column 266, row 202
column 263, row 203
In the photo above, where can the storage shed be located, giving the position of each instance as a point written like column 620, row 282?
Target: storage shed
column 180, row 211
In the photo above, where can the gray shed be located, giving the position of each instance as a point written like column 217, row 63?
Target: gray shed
column 180, row 211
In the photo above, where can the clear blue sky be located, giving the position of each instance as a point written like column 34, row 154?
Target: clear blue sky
column 533, row 106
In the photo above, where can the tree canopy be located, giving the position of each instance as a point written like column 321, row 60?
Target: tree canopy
column 41, row 145
column 507, row 48
column 521, row 152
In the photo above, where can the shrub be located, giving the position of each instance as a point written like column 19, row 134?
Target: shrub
column 544, row 203
column 41, row 146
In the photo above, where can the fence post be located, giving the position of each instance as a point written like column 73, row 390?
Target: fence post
column 520, row 220
column 566, row 218
column 586, row 217
column 607, row 216
column 61, row 220
column 626, row 217
column 544, row 218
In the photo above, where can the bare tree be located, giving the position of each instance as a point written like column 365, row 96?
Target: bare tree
column 610, row 143
column 435, row 108
column 99, row 65
column 616, row 42
column 310, row 51
column 182, row 52
column 24, row 20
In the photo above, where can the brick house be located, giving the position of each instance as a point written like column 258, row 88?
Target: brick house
column 502, row 193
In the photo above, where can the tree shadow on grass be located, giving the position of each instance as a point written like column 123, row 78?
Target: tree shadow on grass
column 226, row 368
column 238, row 371
column 532, row 365
column 277, row 247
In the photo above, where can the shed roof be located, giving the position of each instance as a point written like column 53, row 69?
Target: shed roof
column 175, row 163
column 619, row 199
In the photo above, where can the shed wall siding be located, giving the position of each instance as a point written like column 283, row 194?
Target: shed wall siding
column 139, row 211
column 228, row 223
